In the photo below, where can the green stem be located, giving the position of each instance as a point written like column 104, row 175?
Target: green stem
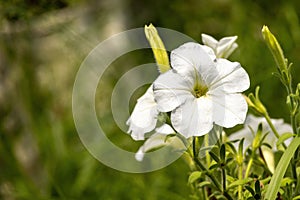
column 224, row 179
column 206, row 142
column 297, row 189
column 194, row 148
column 249, row 166
column 290, row 91
column 203, row 193
column 294, row 124
column 267, row 117
column 240, row 187
column 203, row 168
column 210, row 175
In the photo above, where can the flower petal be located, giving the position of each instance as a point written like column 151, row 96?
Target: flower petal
column 155, row 141
column 230, row 50
column 253, row 122
column 165, row 129
column 159, row 139
column 281, row 127
column 222, row 48
column 194, row 117
column 231, row 77
column 189, row 58
column 226, row 45
column 170, row 91
column 209, row 51
column 144, row 116
column 209, row 41
column 229, row 109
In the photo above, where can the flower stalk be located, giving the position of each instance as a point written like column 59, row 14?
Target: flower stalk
column 290, row 156
column 285, row 75
column 209, row 174
column 240, row 160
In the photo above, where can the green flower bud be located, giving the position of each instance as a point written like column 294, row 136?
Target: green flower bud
column 255, row 103
column 258, row 137
column 239, row 157
column 158, row 48
column 275, row 48
column 298, row 90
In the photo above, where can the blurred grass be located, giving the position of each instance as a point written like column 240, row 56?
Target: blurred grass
column 42, row 44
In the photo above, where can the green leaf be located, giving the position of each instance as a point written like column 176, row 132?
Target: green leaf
column 231, row 146
column 286, row 181
column 221, row 196
column 230, row 179
column 228, row 160
column 222, row 152
column 257, row 139
column 263, row 138
column 250, row 190
column 241, row 146
column 265, row 181
column 283, row 138
column 267, row 145
column 257, row 187
column 296, row 197
column 239, row 182
column 194, row 176
column 204, row 183
column 239, row 157
column 214, row 166
column 280, row 170
column 214, row 156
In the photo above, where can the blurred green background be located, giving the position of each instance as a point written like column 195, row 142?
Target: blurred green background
column 42, row 44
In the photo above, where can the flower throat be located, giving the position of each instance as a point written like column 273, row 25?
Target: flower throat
column 199, row 90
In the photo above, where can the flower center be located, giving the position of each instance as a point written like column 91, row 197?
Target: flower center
column 199, row 90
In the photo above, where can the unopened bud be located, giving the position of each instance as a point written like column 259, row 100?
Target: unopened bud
column 158, row 48
column 275, row 48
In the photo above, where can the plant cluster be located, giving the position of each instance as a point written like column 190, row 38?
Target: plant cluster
column 197, row 95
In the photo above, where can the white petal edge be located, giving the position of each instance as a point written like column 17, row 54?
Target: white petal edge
column 165, row 129
column 154, row 141
column 230, row 77
column 191, row 57
column 209, row 41
column 144, row 116
column 225, row 45
column 158, row 140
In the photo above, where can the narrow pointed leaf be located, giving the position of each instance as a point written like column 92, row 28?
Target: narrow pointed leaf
column 283, row 138
column 239, row 182
column 194, row 176
column 280, row 170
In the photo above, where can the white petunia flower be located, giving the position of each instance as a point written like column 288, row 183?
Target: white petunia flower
column 201, row 90
column 159, row 139
column 144, row 116
column 222, row 48
column 253, row 122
